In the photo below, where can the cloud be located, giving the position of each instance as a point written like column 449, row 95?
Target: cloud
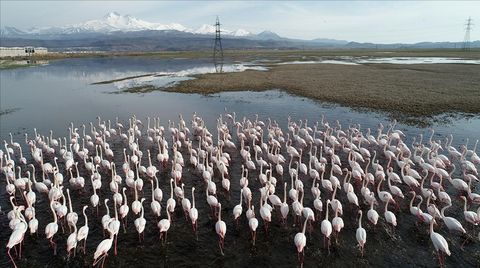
column 374, row 21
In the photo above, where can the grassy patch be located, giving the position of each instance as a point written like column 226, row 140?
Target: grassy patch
column 121, row 79
column 413, row 93
column 8, row 111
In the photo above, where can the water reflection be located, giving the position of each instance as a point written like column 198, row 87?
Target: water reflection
column 218, row 63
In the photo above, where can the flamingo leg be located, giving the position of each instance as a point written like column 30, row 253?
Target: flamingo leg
column 11, row 258
column 439, row 259
column 220, row 246
column 98, row 260
column 115, row 245
column 54, row 246
column 104, row 259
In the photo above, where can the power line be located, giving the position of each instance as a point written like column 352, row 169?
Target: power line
column 466, row 40
column 218, row 49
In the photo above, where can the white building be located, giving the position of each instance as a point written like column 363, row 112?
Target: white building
column 22, row 51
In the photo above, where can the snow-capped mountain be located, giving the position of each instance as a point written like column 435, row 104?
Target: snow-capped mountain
column 210, row 29
column 114, row 22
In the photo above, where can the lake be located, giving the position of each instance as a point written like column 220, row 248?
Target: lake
column 51, row 96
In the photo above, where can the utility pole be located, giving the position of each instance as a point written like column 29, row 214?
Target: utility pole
column 466, row 40
column 218, row 49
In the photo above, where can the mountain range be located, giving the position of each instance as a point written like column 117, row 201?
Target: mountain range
column 114, row 22
column 115, row 32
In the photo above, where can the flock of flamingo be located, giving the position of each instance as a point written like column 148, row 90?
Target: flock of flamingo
column 322, row 160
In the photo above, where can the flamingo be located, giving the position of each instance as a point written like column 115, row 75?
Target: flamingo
column 337, row 224
column 82, row 233
column 171, row 203
column 16, row 238
column 300, row 242
column 284, row 208
column 72, row 216
column 140, row 222
column 193, row 213
column 136, row 205
column 155, row 205
column 72, row 241
column 220, row 228
column 124, row 209
column 106, row 218
column 163, row 226
column 94, row 199
column 237, row 210
column 389, row 216
column 470, row 216
column 101, row 253
column 51, row 229
column 451, row 223
column 361, row 234
column 326, row 227
column 372, row 214
column 114, row 225
column 440, row 244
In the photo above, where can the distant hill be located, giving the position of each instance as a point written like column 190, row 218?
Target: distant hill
column 115, row 32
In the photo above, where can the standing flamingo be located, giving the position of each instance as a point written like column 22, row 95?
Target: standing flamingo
column 83, row 231
column 361, row 234
column 300, row 242
column 193, row 213
column 220, row 228
column 326, row 227
column 440, row 244
column 51, row 229
column 101, row 253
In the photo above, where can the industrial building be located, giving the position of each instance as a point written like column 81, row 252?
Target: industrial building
column 22, row 51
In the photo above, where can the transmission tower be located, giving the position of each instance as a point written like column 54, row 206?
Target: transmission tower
column 218, row 49
column 466, row 40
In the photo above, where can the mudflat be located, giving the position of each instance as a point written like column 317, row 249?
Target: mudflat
column 399, row 89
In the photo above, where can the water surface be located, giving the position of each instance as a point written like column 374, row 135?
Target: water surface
column 52, row 96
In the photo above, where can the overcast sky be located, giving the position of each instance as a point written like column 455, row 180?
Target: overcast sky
column 374, row 21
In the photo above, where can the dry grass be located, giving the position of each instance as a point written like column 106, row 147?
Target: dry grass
column 401, row 90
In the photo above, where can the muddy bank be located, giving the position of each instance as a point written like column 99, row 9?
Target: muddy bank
column 400, row 90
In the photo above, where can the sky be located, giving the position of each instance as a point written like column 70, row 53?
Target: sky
column 361, row 21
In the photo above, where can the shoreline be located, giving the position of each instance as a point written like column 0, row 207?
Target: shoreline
column 281, row 55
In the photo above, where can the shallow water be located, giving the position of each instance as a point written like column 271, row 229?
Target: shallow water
column 49, row 97
column 390, row 60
